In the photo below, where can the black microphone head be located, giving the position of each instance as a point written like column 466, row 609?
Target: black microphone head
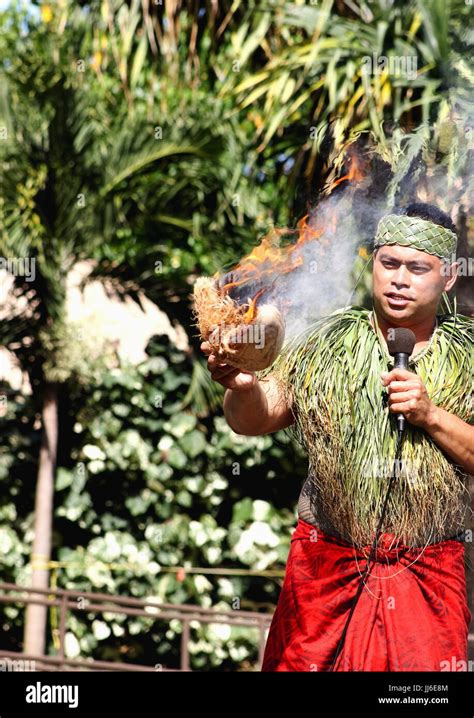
column 400, row 341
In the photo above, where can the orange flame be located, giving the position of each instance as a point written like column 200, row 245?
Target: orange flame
column 272, row 260
column 249, row 315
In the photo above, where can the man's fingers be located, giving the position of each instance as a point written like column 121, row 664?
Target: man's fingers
column 397, row 375
column 398, row 386
column 206, row 348
column 230, row 377
column 404, row 407
column 213, row 363
column 224, row 370
column 402, row 396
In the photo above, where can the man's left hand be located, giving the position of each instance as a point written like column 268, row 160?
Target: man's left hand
column 408, row 396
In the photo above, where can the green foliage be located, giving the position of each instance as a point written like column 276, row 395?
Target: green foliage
column 150, row 487
column 70, row 353
column 161, row 146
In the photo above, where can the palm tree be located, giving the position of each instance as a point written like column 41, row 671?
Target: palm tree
column 68, row 184
column 316, row 74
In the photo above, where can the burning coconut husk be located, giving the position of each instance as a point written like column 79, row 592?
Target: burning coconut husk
column 241, row 335
column 241, row 312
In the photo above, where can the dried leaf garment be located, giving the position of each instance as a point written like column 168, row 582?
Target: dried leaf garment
column 343, row 422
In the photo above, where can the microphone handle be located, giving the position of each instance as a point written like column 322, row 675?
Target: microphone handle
column 401, row 362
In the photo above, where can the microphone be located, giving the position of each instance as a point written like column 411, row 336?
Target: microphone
column 400, row 343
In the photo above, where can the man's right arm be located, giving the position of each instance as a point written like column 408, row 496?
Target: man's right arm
column 258, row 410
column 251, row 407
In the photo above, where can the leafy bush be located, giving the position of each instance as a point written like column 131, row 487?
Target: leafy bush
column 144, row 487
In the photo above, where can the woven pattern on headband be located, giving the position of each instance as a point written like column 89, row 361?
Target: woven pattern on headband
column 417, row 233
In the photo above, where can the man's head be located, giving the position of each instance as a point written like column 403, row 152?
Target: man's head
column 413, row 263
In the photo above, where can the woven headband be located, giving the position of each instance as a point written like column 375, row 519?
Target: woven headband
column 417, row 233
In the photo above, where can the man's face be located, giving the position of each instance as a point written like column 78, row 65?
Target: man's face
column 408, row 284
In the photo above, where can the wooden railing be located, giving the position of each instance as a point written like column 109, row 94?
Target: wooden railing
column 66, row 601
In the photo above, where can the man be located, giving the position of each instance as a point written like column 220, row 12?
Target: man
column 336, row 388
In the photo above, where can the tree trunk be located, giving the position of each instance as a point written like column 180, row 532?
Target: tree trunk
column 36, row 616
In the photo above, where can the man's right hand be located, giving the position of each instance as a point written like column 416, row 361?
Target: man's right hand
column 229, row 376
